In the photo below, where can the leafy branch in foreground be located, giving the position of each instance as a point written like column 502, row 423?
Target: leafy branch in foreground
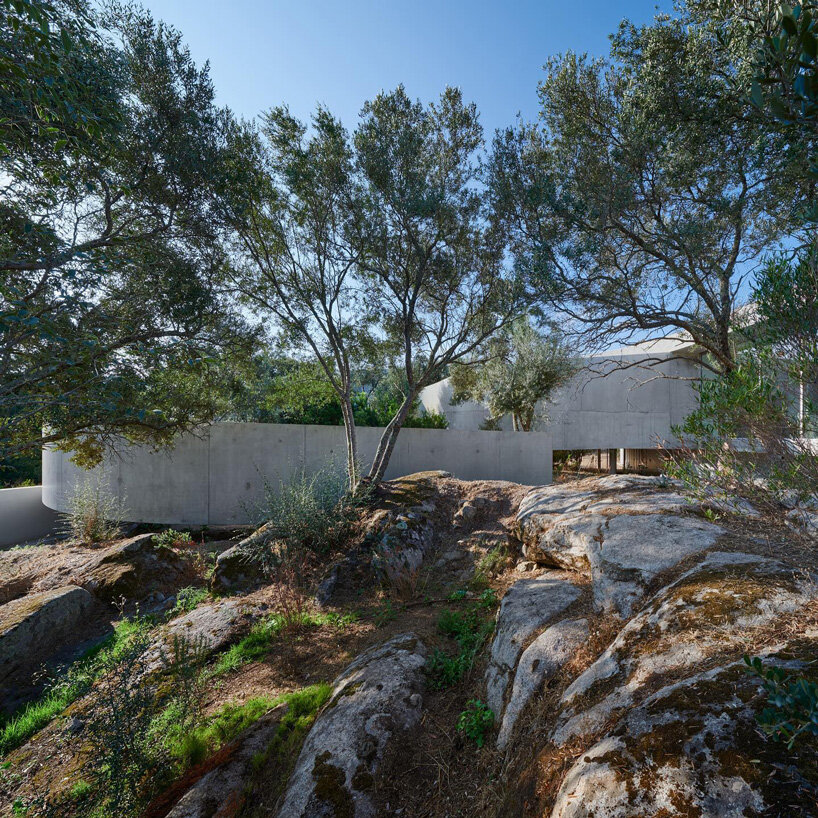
column 793, row 710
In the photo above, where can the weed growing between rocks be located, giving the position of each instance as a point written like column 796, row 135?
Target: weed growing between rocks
column 94, row 514
column 476, row 721
column 171, row 538
column 272, row 767
column 470, row 629
column 258, row 643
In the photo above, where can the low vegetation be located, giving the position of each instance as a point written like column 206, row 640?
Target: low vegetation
column 469, row 629
column 476, row 721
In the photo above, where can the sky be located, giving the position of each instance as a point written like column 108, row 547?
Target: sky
column 340, row 54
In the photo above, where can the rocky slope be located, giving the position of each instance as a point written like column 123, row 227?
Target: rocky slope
column 603, row 622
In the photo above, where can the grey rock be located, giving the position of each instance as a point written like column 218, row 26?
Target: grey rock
column 704, row 613
column 374, row 702
column 36, row 626
column 540, row 660
column 528, row 606
column 621, row 553
column 236, row 568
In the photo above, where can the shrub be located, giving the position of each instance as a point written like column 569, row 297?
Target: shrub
column 170, row 538
column 794, row 703
column 476, row 721
column 311, row 511
column 126, row 755
column 94, row 513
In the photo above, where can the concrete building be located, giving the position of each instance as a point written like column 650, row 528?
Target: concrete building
column 219, row 477
column 627, row 399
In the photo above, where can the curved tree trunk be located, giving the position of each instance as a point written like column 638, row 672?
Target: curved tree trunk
column 386, row 445
column 351, row 435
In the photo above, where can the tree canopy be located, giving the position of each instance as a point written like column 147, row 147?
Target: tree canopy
column 110, row 252
column 646, row 196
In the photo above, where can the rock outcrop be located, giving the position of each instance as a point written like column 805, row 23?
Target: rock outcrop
column 37, row 626
column 374, row 701
column 132, row 569
column 528, row 607
column 621, row 539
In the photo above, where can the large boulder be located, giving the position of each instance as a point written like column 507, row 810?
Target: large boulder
column 35, row 627
column 527, row 608
column 374, row 702
column 621, row 552
column 700, row 619
column 133, row 569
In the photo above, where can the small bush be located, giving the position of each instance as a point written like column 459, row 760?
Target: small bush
column 189, row 598
column 476, row 721
column 794, row 703
column 494, row 561
column 311, row 511
column 170, row 538
column 94, row 514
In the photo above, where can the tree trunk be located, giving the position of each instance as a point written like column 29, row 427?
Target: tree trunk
column 386, row 444
column 613, row 454
column 351, row 435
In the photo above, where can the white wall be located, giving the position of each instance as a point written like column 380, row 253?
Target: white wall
column 23, row 517
column 605, row 406
column 218, row 477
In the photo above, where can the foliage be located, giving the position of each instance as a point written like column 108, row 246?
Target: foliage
column 295, row 214
column 119, row 726
column 94, row 513
column 647, row 195
column 470, row 629
column 794, row 703
column 524, row 367
column 476, row 721
column 310, row 511
column 109, row 304
column 759, row 403
column 171, row 538
column 439, row 289
column 779, row 42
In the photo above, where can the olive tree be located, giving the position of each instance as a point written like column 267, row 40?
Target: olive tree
column 523, row 368
column 295, row 209
column 110, row 302
column 645, row 197
column 437, row 286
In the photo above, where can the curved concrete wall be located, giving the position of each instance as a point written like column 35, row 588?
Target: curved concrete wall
column 218, row 477
column 605, row 406
column 23, row 517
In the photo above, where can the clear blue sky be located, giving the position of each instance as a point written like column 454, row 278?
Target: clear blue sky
column 342, row 53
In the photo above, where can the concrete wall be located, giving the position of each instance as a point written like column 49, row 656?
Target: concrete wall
column 605, row 406
column 218, row 478
column 23, row 517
